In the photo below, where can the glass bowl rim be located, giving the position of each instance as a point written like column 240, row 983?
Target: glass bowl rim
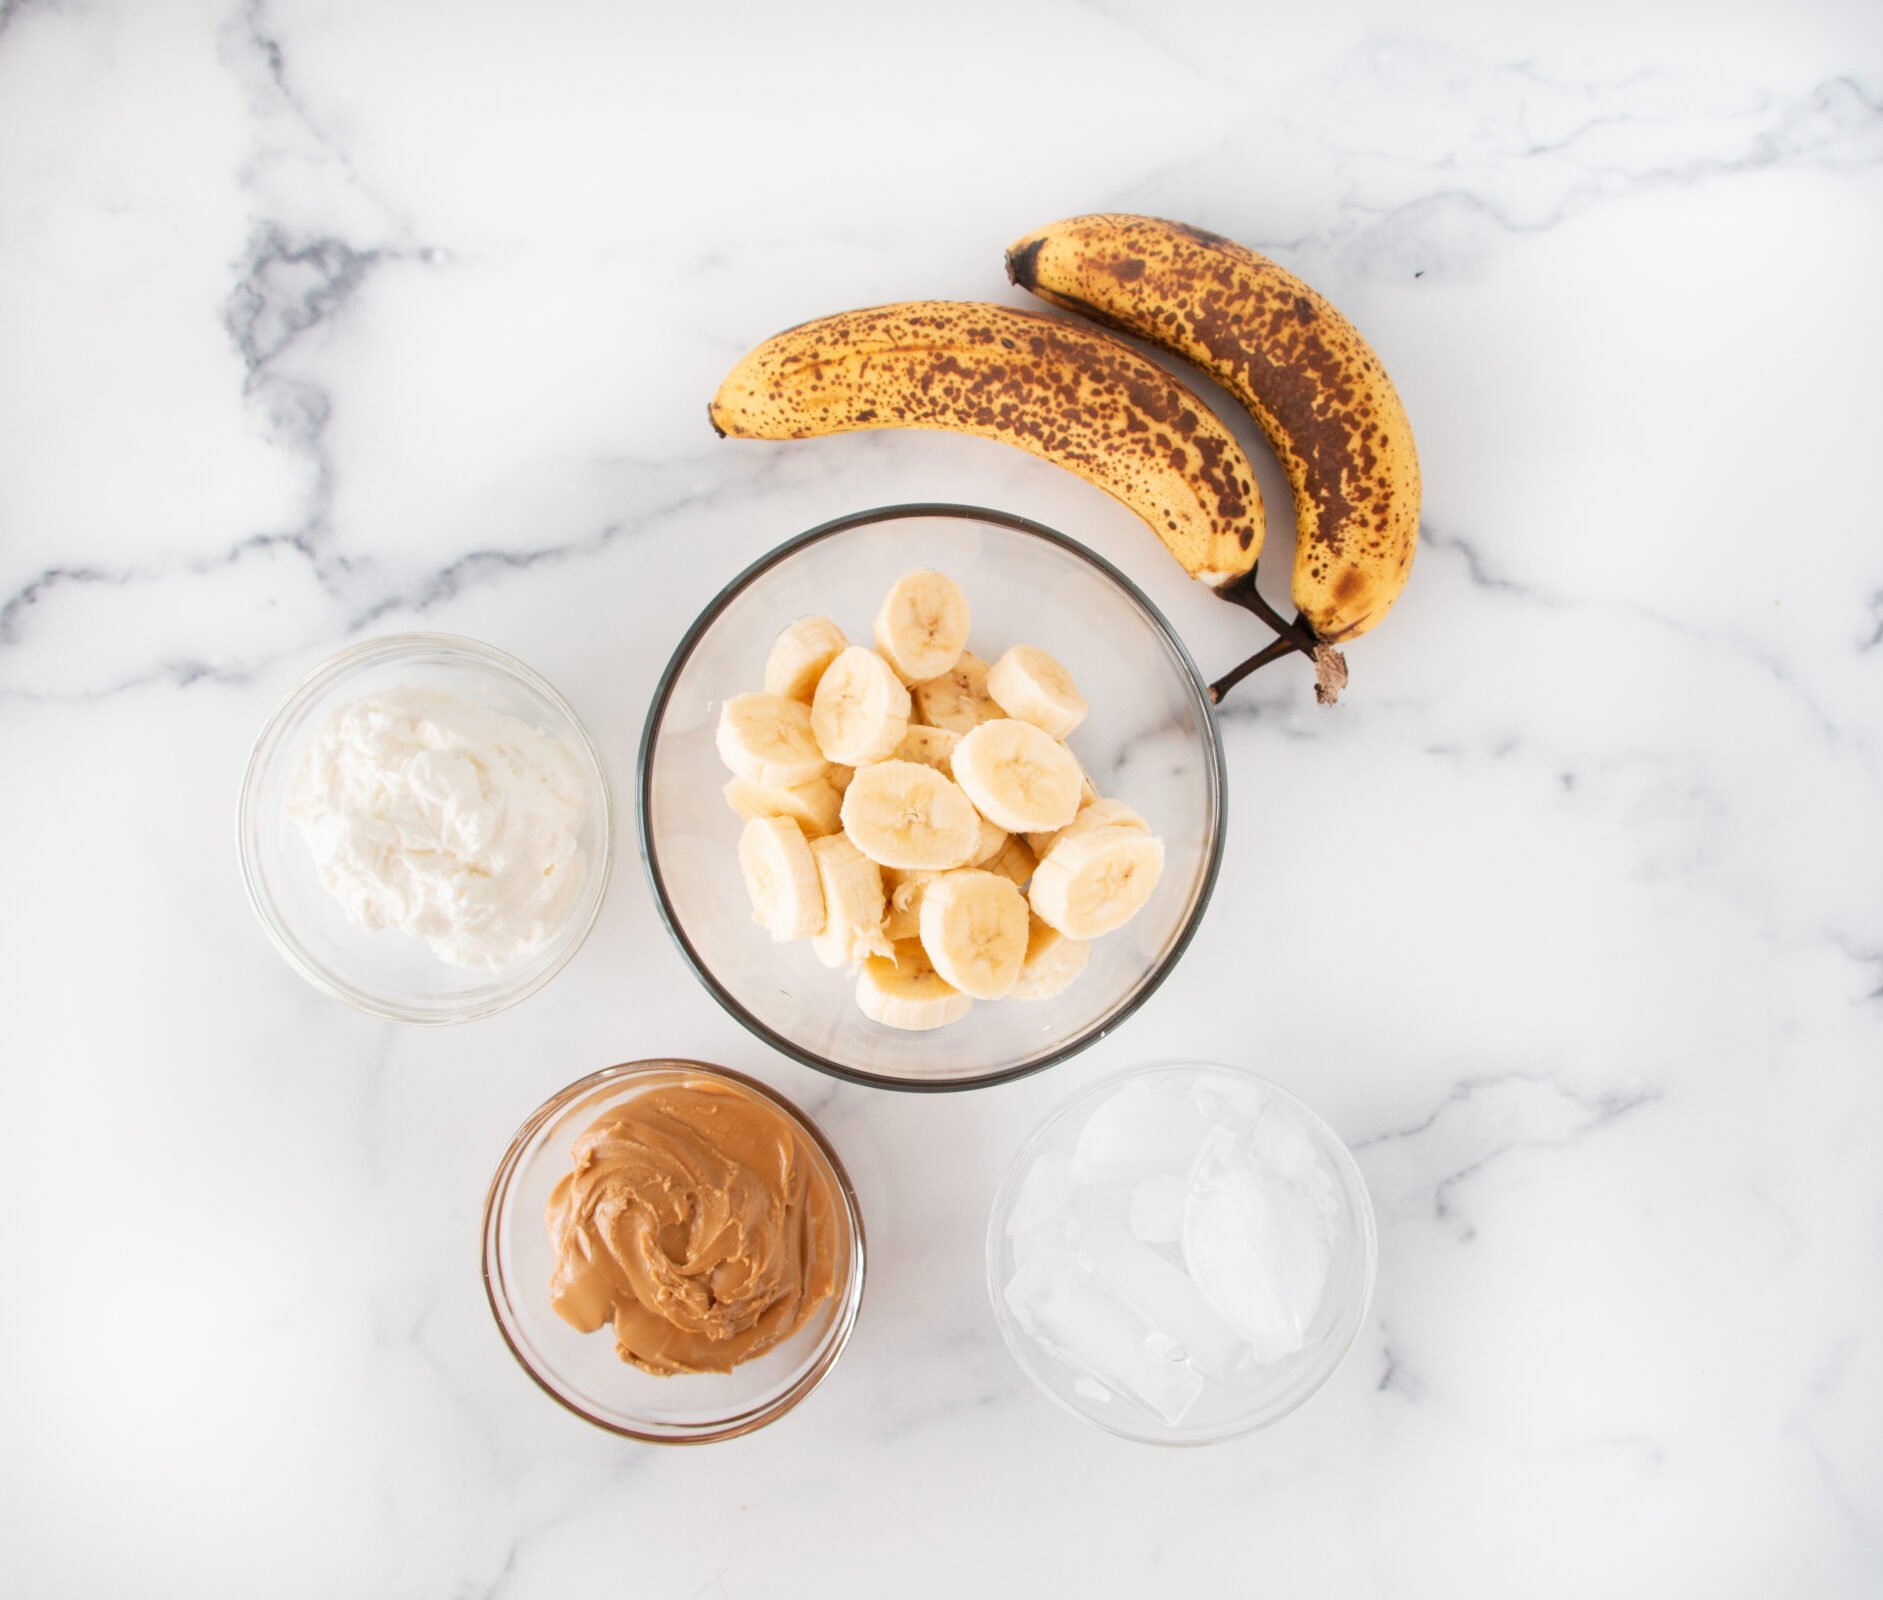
column 267, row 747
column 716, row 607
column 744, row 1422
column 1008, row 1189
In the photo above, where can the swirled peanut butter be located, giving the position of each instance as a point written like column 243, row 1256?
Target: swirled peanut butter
column 698, row 1222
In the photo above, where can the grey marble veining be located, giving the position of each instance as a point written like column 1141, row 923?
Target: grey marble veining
column 319, row 321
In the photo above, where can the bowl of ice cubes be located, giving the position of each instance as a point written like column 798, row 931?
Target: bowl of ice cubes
column 1181, row 1254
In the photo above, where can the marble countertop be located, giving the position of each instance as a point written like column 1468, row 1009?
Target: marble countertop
column 320, row 319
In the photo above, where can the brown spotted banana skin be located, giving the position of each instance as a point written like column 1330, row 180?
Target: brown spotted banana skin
column 1067, row 392
column 1313, row 385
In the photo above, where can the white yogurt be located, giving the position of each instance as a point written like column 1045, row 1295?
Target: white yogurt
column 444, row 820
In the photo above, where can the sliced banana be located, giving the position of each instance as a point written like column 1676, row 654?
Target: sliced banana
column 1095, row 814
column 853, row 904
column 923, row 625
column 902, row 990
column 957, row 700
column 974, row 928
column 904, row 887
column 799, row 656
column 1093, row 882
column 813, row 806
column 1031, row 686
column 781, row 878
column 1018, row 776
column 933, row 747
column 767, row 739
column 1015, row 862
column 861, row 710
column 839, row 776
column 903, row 814
column 1052, row 961
column 993, row 841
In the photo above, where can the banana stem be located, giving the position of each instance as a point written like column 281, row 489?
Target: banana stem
column 1274, row 651
column 1244, row 593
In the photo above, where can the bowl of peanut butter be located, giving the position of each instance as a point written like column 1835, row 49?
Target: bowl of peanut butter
column 673, row 1251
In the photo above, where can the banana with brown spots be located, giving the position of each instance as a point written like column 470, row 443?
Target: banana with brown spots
column 1068, row 393
column 1308, row 378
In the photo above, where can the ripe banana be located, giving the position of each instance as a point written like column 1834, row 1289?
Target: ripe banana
column 974, row 930
column 1052, row 962
column 861, row 710
column 903, row 814
column 815, row 806
column 1096, row 881
column 1019, row 778
column 1066, row 392
column 1015, row 863
column 852, row 885
column 767, row 740
column 933, row 747
column 958, row 700
column 1093, row 814
column 1031, row 686
column 922, row 627
column 901, row 990
column 799, row 656
column 902, row 919
column 781, row 878
column 1308, row 378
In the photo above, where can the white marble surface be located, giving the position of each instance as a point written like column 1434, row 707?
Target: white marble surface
column 326, row 317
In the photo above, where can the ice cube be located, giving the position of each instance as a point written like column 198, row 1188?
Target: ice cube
column 1150, row 1125
column 1055, row 1301
column 1157, row 1208
column 1044, row 1194
column 1163, row 1295
column 1257, row 1242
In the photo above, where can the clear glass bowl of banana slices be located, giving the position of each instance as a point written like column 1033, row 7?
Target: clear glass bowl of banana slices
column 931, row 797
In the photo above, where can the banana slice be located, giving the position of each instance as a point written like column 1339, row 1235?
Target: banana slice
column 839, row 776
column 799, row 656
column 781, row 878
column 1093, row 882
column 903, row 814
column 1015, row 863
column 1052, row 961
column 1096, row 814
column 974, row 928
column 861, row 710
column 902, row 990
column 1030, row 685
column 1088, row 790
column 993, row 841
column 958, row 700
column 813, row 806
column 933, row 747
column 904, row 888
column 767, row 739
column 1018, row 777
column 923, row 625
column 853, row 904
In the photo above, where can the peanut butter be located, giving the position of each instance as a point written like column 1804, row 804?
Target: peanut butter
column 697, row 1221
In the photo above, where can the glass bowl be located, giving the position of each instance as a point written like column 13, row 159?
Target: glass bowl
column 1074, row 1192
column 582, row 1370
column 1150, row 739
column 388, row 973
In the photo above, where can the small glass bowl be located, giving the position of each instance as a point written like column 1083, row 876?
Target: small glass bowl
column 1230, row 1408
column 1150, row 739
column 388, row 973
column 582, row 1370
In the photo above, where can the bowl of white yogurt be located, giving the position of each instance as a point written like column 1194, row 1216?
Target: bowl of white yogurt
column 425, row 828
column 1182, row 1254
